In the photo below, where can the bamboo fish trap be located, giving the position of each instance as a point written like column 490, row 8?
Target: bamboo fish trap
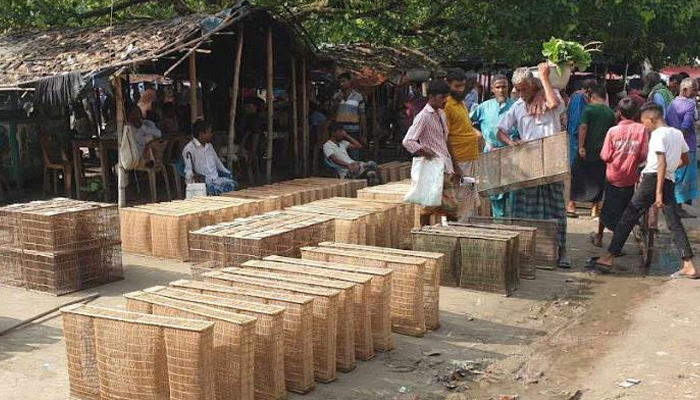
column 364, row 348
column 407, row 309
column 116, row 354
column 283, row 352
column 325, row 316
column 380, row 294
column 234, row 340
column 433, row 266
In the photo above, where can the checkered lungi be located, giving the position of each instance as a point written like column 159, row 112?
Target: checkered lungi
column 542, row 202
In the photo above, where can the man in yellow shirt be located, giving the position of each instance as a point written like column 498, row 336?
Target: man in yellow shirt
column 463, row 141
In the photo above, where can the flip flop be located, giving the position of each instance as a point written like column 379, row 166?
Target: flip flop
column 595, row 265
column 679, row 275
column 593, row 237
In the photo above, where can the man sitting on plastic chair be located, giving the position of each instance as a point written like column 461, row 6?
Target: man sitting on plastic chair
column 202, row 164
column 336, row 152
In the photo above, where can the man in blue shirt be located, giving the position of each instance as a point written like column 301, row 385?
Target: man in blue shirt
column 486, row 115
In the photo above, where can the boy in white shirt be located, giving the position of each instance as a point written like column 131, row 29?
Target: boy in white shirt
column 336, row 150
column 667, row 151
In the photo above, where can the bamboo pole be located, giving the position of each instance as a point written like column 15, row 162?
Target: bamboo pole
column 119, row 115
column 270, row 105
column 305, row 115
column 375, row 123
column 295, row 118
column 234, row 99
column 194, row 113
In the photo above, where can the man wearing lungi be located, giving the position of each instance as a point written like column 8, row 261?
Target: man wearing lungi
column 537, row 114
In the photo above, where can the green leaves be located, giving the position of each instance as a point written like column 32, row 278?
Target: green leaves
column 561, row 52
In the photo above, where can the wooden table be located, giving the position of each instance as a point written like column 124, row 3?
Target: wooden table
column 102, row 145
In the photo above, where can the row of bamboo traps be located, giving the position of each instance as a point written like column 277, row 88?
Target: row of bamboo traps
column 161, row 229
column 255, row 331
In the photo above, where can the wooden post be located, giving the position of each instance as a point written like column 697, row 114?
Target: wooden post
column 194, row 110
column 234, row 99
column 119, row 116
column 376, row 137
column 295, row 118
column 270, row 105
column 305, row 116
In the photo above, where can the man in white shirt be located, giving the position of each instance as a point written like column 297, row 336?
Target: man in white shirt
column 336, row 150
column 667, row 151
column 143, row 131
column 203, row 164
column 537, row 114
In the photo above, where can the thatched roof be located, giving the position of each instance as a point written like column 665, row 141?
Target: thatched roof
column 364, row 59
column 26, row 58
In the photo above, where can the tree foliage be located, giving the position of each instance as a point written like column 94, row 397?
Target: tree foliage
column 510, row 31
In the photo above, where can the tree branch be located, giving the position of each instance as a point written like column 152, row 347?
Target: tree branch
column 322, row 8
column 180, row 7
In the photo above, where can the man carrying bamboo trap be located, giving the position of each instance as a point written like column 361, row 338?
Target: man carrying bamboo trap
column 537, row 114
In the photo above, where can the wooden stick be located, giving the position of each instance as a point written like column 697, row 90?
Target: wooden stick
column 234, row 99
column 45, row 313
column 270, row 105
column 305, row 116
column 119, row 115
column 193, row 88
column 295, row 118
column 189, row 54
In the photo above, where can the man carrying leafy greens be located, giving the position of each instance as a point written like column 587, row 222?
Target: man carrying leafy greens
column 537, row 114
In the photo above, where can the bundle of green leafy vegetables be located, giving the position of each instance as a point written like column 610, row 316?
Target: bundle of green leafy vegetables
column 562, row 52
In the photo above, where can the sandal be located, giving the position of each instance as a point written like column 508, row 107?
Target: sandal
column 594, row 240
column 602, row 268
column 679, row 275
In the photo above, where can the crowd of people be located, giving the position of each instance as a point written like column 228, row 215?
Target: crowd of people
column 626, row 157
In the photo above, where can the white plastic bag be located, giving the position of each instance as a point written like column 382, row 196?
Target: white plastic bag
column 195, row 190
column 426, row 182
column 129, row 155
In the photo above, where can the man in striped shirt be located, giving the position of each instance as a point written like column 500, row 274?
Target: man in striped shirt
column 427, row 137
column 350, row 111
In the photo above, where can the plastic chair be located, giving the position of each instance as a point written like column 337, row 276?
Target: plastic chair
column 333, row 167
column 156, row 148
column 56, row 161
column 176, row 164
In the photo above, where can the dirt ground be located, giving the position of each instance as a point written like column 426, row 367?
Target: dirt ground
column 566, row 335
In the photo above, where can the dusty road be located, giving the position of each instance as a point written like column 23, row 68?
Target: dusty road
column 564, row 332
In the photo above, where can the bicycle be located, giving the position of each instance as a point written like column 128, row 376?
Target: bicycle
column 644, row 233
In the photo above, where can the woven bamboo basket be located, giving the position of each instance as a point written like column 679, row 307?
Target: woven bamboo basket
column 234, row 340
column 136, row 231
column 270, row 373
column 388, row 172
column 433, row 266
column 364, row 349
column 140, row 356
column 448, row 246
column 405, row 170
column 350, row 226
column 325, row 316
column 59, row 246
column 489, row 259
column 528, row 238
column 533, row 163
column 547, row 244
column 386, row 223
column 345, row 339
column 380, row 294
column 298, row 325
column 407, row 308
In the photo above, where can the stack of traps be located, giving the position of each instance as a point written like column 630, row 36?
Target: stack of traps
column 254, row 331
